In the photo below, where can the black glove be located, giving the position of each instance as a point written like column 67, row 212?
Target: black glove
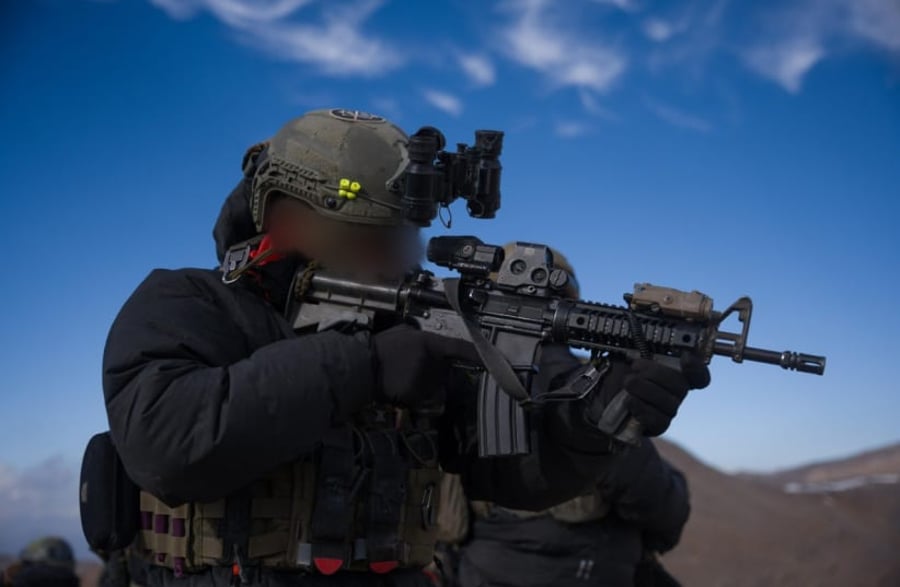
column 654, row 391
column 411, row 365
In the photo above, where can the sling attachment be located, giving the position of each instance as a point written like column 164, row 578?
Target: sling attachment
column 502, row 421
column 387, row 496
column 237, row 259
column 339, row 480
column 494, row 361
column 244, row 256
column 303, row 280
column 236, row 534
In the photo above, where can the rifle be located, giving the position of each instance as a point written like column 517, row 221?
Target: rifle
column 509, row 305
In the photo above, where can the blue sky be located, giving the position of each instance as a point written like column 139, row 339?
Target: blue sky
column 731, row 147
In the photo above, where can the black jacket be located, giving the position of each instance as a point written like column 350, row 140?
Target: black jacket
column 649, row 506
column 208, row 388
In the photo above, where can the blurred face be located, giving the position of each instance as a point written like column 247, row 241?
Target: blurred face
column 362, row 251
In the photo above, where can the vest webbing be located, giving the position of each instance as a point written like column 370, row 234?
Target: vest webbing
column 282, row 519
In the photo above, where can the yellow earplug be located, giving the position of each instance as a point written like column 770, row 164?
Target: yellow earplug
column 348, row 189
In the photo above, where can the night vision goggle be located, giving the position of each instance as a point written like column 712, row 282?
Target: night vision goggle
column 434, row 178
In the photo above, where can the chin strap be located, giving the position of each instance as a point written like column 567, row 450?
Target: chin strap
column 244, row 256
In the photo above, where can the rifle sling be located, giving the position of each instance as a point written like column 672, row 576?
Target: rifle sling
column 494, row 361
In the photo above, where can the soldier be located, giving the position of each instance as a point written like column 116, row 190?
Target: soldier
column 47, row 562
column 607, row 537
column 270, row 457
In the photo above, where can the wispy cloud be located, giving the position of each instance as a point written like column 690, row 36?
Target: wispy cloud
column 569, row 48
column 875, row 21
column 786, row 63
column 233, row 12
column 661, row 29
column 570, row 129
column 658, row 29
column 686, row 36
column 333, row 43
column 676, row 117
column 443, row 101
column 808, row 31
column 536, row 39
column 592, row 106
column 623, row 5
column 478, row 69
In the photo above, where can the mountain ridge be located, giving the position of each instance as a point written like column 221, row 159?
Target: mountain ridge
column 748, row 531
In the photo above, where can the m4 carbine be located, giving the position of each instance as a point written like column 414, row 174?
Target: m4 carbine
column 509, row 305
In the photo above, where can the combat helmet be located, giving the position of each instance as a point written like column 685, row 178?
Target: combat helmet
column 344, row 163
column 51, row 550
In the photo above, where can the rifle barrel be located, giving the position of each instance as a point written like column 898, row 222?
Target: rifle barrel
column 786, row 359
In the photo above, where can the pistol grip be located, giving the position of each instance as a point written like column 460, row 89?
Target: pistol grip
column 616, row 421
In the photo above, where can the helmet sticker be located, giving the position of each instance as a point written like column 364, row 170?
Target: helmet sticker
column 355, row 115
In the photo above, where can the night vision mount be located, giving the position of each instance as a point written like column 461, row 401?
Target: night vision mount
column 435, row 178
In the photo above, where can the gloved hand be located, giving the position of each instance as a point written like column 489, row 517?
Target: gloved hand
column 411, row 365
column 654, row 391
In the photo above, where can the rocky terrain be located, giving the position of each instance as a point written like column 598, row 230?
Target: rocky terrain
column 762, row 530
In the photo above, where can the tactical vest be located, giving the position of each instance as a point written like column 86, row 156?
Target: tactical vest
column 367, row 500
